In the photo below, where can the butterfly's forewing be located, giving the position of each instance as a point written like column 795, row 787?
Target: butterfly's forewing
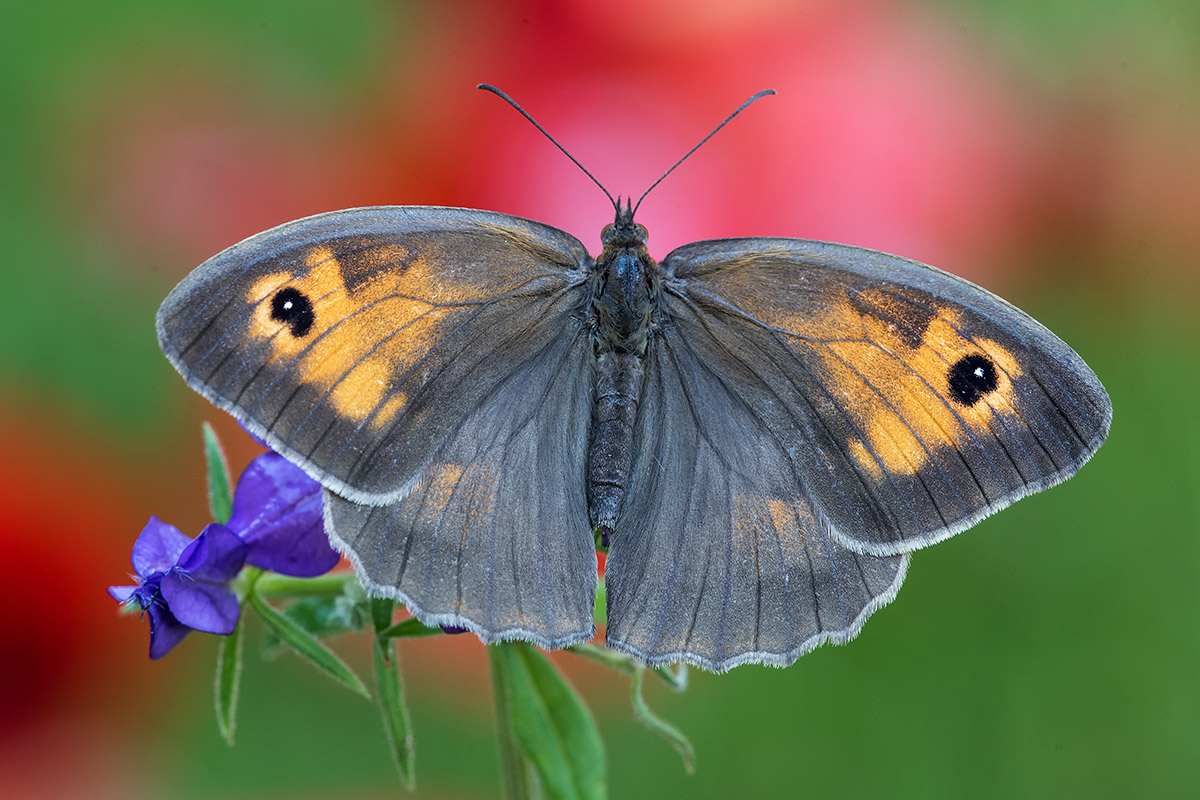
column 354, row 342
column 494, row 536
column 717, row 558
column 911, row 403
column 429, row 367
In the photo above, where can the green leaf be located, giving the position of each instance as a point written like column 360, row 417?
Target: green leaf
column 323, row 617
column 551, row 726
column 520, row 780
column 306, row 645
column 381, row 612
column 220, row 500
column 396, row 723
column 409, row 629
column 229, row 675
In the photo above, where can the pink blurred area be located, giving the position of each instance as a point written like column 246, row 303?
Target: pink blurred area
column 896, row 126
column 891, row 129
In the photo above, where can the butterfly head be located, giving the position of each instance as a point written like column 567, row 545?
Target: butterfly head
column 623, row 232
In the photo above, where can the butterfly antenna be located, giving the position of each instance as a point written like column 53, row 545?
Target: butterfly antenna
column 489, row 88
column 739, row 110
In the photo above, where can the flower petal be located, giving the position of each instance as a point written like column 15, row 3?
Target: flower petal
column 277, row 511
column 199, row 604
column 165, row 630
column 197, row 589
column 216, row 556
column 294, row 543
column 267, row 481
column 158, row 547
column 122, row 594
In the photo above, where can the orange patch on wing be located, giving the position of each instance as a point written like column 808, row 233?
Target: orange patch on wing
column 897, row 392
column 796, row 527
column 359, row 340
column 899, row 395
column 790, row 522
column 442, row 480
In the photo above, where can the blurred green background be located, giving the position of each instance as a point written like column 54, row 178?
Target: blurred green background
column 1050, row 151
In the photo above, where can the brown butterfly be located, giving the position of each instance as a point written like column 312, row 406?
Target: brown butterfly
column 762, row 429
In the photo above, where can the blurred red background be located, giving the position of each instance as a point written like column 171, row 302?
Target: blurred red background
column 1050, row 152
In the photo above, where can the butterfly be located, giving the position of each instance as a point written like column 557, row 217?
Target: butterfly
column 762, row 430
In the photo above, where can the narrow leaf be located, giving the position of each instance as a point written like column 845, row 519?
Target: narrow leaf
column 229, row 675
column 396, row 723
column 660, row 726
column 323, row 617
column 552, row 726
column 307, row 645
column 220, row 499
column 409, row 628
column 381, row 612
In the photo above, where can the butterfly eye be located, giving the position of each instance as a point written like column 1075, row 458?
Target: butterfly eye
column 971, row 378
column 290, row 307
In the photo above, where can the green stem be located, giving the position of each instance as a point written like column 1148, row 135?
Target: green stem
column 271, row 586
column 676, row 679
column 513, row 770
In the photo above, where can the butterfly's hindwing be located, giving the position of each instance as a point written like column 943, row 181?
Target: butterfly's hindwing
column 494, row 535
column 717, row 558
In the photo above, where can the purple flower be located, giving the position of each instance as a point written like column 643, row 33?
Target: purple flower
column 277, row 512
column 183, row 584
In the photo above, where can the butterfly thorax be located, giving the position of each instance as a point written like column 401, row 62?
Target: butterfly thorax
column 624, row 282
column 624, row 286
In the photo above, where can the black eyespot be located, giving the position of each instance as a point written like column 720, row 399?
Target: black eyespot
column 972, row 378
column 292, row 308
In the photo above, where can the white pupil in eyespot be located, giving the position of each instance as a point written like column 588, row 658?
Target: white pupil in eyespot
column 287, row 306
column 978, row 370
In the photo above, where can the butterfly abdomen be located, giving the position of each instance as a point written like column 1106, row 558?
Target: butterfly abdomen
column 610, row 451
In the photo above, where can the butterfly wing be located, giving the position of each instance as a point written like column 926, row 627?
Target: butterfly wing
column 427, row 366
column 912, row 403
column 717, row 557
